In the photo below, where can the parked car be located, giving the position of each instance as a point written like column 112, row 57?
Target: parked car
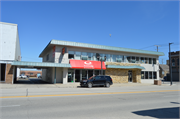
column 100, row 80
column 39, row 77
column 165, row 78
column 22, row 76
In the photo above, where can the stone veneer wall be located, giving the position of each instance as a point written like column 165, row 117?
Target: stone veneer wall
column 9, row 73
column 121, row 75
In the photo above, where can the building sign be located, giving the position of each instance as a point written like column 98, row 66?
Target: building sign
column 88, row 65
column 54, row 49
column 84, row 64
column 64, row 50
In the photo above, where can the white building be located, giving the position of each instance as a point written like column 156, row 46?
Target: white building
column 9, row 51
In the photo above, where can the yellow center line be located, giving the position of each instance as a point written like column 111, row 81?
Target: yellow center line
column 88, row 94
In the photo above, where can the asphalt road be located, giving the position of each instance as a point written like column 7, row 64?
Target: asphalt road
column 126, row 105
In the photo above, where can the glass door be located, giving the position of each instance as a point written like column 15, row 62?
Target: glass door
column 70, row 75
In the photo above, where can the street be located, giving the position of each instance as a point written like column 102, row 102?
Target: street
column 140, row 102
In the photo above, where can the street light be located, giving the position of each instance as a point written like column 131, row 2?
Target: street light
column 101, row 59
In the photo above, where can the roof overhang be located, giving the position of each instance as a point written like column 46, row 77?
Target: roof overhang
column 93, row 46
column 125, row 67
column 38, row 64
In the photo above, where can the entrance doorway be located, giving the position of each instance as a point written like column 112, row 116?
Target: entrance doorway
column 70, row 75
column 2, row 72
column 130, row 76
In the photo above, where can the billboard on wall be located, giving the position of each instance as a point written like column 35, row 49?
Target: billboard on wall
column 54, row 49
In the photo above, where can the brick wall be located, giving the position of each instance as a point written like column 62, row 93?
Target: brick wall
column 9, row 73
column 121, row 75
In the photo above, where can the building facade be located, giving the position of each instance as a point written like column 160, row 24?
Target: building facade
column 164, row 70
column 31, row 73
column 175, row 65
column 84, row 60
column 9, row 52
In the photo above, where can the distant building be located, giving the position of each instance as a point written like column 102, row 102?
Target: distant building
column 175, row 65
column 163, row 70
column 31, row 73
column 9, row 52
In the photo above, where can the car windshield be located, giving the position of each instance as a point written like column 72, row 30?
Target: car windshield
column 91, row 77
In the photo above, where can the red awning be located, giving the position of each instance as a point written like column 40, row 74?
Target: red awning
column 86, row 64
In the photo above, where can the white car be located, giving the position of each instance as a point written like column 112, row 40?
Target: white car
column 23, row 76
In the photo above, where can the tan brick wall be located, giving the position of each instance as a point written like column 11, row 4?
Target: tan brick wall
column 9, row 73
column 121, row 75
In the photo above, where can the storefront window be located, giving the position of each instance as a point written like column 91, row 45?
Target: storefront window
column 71, row 54
column 150, row 60
column 146, row 75
column 84, row 74
column 94, row 55
column 90, row 73
column 102, row 56
column 78, row 55
column 142, row 60
column 150, row 75
column 96, row 72
column 108, row 57
column 154, row 60
column 90, row 56
column 137, row 59
column 142, row 75
column 154, row 75
column 70, row 75
column 77, row 75
column 119, row 58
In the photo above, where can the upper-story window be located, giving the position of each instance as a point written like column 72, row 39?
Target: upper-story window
column 137, row 60
column 178, row 61
column 142, row 60
column 71, row 54
column 133, row 60
column 146, row 60
column 173, row 62
column 119, row 58
column 154, row 60
column 150, row 60
column 129, row 59
column 47, row 57
column 109, row 57
column 78, row 55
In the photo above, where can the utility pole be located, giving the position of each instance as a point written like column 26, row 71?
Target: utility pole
column 162, row 61
column 170, row 71
column 157, row 47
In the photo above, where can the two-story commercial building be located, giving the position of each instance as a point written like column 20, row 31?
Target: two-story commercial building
column 81, row 60
column 9, row 52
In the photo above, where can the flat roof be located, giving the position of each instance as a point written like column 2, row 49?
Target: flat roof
column 94, row 46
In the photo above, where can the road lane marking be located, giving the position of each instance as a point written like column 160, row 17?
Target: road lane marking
column 88, row 94
column 10, row 106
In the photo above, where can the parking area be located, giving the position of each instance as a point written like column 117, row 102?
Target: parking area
column 30, row 81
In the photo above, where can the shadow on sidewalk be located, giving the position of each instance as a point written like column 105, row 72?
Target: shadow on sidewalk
column 160, row 113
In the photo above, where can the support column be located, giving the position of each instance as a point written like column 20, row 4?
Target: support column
column 65, row 73
column 55, row 76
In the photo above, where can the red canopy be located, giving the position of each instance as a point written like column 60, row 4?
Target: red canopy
column 86, row 64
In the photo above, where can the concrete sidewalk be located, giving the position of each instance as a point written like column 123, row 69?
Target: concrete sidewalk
column 74, row 85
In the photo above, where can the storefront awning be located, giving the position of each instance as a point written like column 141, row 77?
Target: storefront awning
column 125, row 67
column 38, row 64
column 85, row 64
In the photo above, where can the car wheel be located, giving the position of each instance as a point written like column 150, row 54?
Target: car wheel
column 89, row 85
column 107, row 85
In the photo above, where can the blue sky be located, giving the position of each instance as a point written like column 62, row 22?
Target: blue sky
column 133, row 24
